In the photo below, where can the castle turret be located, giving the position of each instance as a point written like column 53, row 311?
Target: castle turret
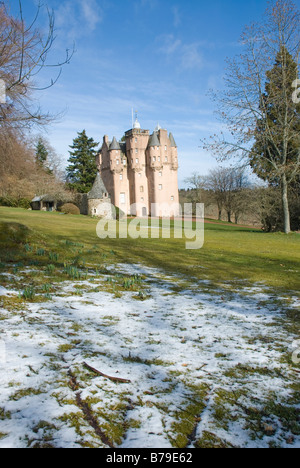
column 174, row 153
column 154, row 152
column 115, row 156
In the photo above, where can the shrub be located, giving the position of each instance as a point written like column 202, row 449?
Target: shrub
column 69, row 208
column 15, row 202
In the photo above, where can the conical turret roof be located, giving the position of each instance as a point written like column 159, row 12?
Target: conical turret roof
column 154, row 141
column 114, row 145
column 173, row 143
column 98, row 189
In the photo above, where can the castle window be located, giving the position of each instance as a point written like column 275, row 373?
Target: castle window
column 160, row 174
column 166, row 148
column 142, row 199
column 118, row 162
column 121, row 176
column 158, row 158
column 124, row 162
column 166, row 159
column 135, row 139
column 136, row 151
column 122, row 198
column 172, row 198
column 154, row 159
column 137, row 161
column 160, row 187
column 141, row 189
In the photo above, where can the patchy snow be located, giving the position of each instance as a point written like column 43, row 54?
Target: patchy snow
column 223, row 355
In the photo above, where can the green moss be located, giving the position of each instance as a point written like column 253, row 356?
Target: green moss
column 64, row 348
column 186, row 420
column 209, row 440
column 25, row 392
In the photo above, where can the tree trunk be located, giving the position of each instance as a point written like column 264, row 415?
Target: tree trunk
column 229, row 216
column 220, row 214
column 285, row 202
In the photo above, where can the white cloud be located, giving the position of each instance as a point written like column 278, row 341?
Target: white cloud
column 78, row 17
column 191, row 57
column 186, row 56
column 176, row 16
column 92, row 13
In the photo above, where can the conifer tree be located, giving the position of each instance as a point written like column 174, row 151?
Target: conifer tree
column 82, row 169
column 275, row 153
column 41, row 153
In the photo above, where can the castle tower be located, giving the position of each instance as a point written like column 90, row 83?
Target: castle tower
column 136, row 144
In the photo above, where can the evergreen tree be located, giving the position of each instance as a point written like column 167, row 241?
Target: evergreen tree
column 82, row 170
column 41, row 153
column 275, row 153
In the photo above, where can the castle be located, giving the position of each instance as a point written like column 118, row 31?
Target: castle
column 140, row 172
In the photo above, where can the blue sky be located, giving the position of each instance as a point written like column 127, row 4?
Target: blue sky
column 159, row 57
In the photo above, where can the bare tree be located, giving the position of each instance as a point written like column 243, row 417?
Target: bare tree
column 197, row 185
column 226, row 185
column 24, row 53
column 257, row 104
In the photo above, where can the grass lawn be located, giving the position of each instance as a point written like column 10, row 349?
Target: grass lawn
column 230, row 253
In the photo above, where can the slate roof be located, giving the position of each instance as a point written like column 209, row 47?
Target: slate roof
column 98, row 189
column 114, row 145
column 45, row 198
column 154, row 141
column 173, row 143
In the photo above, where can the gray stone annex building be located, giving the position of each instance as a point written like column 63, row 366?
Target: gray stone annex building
column 97, row 202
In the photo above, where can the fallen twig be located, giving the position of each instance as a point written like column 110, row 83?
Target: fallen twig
column 114, row 379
